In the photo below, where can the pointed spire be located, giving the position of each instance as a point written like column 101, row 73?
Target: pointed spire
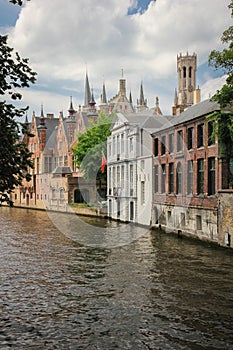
column 87, row 97
column 130, row 98
column 103, row 96
column 92, row 101
column 42, row 111
column 141, row 98
column 26, row 120
column 71, row 109
column 71, row 104
column 157, row 109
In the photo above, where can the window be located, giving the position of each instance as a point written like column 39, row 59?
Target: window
column 59, row 145
column 200, row 176
column 156, row 147
column 110, row 181
column 109, row 149
column 122, row 143
column 211, row 176
column 131, row 144
column 114, row 144
column 184, row 72
column 179, row 179
column 118, row 144
column 163, row 145
column 53, row 193
column 156, row 178
column 190, row 72
column 163, row 178
column 171, row 143
column 131, row 179
column 179, row 140
column 118, row 177
column 122, row 176
column 65, row 160
column 171, row 178
column 190, row 177
column 211, row 138
column 131, row 211
column 200, row 135
column 142, row 192
column 114, row 177
column 190, row 138
column 47, row 164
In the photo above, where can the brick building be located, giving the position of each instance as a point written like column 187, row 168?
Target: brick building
column 188, row 174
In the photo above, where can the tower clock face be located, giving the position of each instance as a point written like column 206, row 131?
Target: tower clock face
column 190, row 88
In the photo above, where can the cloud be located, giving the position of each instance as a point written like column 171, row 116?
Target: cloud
column 211, row 86
column 63, row 38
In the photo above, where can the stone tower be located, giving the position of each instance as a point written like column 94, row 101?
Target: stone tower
column 187, row 94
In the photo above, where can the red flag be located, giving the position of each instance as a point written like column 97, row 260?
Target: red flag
column 103, row 163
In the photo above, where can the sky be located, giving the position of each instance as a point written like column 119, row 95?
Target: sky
column 64, row 39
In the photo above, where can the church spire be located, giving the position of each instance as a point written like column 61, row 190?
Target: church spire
column 87, row 97
column 42, row 111
column 130, row 98
column 103, row 96
column 141, row 98
column 141, row 102
column 71, row 110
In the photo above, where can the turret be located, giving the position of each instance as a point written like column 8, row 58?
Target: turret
column 42, row 131
column 187, row 94
column 87, row 97
column 141, row 102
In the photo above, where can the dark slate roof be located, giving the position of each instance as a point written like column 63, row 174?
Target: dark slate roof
column 50, row 124
column 62, row 170
column 146, row 119
column 198, row 110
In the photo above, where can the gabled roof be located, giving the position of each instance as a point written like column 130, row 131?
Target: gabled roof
column 145, row 120
column 50, row 124
column 62, row 170
column 198, row 110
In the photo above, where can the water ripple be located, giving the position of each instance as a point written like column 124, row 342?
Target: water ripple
column 155, row 293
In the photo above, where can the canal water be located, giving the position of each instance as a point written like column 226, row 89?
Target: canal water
column 153, row 292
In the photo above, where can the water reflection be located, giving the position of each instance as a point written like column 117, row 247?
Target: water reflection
column 155, row 293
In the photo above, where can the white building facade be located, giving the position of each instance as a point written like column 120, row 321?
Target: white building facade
column 129, row 158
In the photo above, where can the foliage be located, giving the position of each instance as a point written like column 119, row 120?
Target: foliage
column 18, row 2
column 224, row 60
column 90, row 145
column 14, row 155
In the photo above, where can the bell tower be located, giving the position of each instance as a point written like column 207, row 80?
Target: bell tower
column 186, row 95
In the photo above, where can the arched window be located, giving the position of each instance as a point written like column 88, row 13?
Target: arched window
column 184, row 72
column 190, row 72
column 179, row 179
